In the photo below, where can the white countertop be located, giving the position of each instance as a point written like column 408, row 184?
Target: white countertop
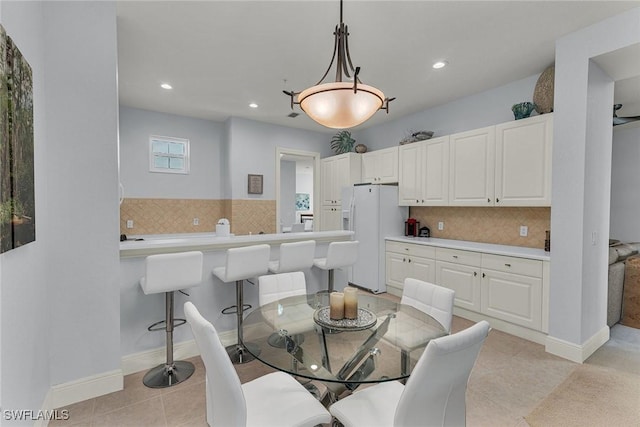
column 514, row 251
column 155, row 244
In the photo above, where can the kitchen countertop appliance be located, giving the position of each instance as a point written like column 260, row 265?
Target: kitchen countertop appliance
column 372, row 213
column 424, row 232
column 411, row 227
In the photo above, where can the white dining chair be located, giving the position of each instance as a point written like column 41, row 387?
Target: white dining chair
column 434, row 394
column 275, row 399
column 434, row 300
column 295, row 320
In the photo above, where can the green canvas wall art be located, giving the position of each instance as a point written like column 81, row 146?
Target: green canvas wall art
column 17, row 198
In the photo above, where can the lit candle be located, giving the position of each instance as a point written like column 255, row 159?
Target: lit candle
column 336, row 306
column 350, row 303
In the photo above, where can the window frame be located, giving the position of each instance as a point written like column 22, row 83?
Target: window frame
column 186, row 157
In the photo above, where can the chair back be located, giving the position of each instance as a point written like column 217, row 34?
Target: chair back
column 171, row 272
column 296, row 256
column 436, row 301
column 246, row 262
column 341, row 254
column 224, row 391
column 435, row 392
column 274, row 287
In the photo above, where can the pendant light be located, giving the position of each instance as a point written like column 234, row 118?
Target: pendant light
column 340, row 104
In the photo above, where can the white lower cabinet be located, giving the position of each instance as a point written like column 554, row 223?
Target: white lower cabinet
column 510, row 289
column 408, row 260
column 330, row 218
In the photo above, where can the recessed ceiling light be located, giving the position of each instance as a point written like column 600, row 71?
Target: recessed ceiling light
column 253, row 105
column 439, row 64
column 166, row 86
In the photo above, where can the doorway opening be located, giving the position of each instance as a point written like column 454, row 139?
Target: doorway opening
column 297, row 190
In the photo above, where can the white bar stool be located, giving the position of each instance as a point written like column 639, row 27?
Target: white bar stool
column 242, row 263
column 294, row 256
column 339, row 254
column 168, row 273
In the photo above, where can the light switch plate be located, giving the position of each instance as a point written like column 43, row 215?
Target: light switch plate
column 524, row 231
column 441, row 225
column 129, row 223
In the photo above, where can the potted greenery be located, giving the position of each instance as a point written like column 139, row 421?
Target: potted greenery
column 342, row 142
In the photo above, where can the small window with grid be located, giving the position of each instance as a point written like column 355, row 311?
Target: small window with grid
column 168, row 155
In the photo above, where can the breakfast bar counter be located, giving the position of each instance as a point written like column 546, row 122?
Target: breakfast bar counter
column 158, row 244
column 138, row 311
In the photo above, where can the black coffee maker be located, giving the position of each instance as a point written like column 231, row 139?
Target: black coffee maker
column 424, row 232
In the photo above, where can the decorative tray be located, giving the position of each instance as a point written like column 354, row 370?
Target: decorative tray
column 365, row 320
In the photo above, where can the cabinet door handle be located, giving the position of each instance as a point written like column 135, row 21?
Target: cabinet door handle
column 417, row 201
column 497, row 200
column 455, row 256
column 475, row 273
column 409, row 259
column 508, row 265
column 483, row 275
column 422, row 200
column 406, row 249
column 488, row 200
column 404, row 259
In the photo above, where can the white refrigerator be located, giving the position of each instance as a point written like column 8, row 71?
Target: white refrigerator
column 372, row 212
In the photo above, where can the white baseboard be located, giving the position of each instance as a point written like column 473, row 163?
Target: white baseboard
column 84, row 388
column 500, row 325
column 575, row 352
column 145, row 360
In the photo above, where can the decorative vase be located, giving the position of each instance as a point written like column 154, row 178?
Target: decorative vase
column 361, row 148
column 523, row 109
column 543, row 92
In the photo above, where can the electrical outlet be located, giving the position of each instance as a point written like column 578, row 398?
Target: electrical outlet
column 524, row 231
column 196, row 221
column 440, row 225
column 129, row 223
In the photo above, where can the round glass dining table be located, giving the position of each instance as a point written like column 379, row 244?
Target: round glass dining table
column 296, row 335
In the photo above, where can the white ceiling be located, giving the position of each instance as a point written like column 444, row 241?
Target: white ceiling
column 221, row 55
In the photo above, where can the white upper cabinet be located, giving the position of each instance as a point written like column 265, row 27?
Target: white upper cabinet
column 523, row 162
column 472, row 168
column 380, row 166
column 411, row 162
column 338, row 171
column 424, row 173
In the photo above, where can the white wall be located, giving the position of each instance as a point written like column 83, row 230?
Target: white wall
column 82, row 188
column 572, row 220
column 24, row 282
column 483, row 109
column 287, row 192
column 625, row 182
column 60, row 305
column 252, row 151
column 205, row 180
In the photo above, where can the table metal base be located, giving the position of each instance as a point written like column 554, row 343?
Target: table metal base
column 239, row 354
column 166, row 376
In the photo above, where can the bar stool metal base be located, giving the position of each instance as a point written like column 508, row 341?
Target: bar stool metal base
column 239, row 354
column 166, row 376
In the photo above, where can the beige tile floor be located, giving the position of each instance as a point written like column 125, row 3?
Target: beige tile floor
column 511, row 377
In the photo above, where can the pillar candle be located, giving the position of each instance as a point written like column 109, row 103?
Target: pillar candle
column 336, row 306
column 350, row 303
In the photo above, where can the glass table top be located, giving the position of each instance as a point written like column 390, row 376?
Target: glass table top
column 295, row 336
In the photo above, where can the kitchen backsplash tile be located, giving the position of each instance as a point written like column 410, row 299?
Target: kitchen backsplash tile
column 168, row 216
column 171, row 216
column 487, row 225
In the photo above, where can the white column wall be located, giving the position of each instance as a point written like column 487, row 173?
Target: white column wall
column 571, row 222
column 82, row 249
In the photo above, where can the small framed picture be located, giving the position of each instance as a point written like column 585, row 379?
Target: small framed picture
column 255, row 184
